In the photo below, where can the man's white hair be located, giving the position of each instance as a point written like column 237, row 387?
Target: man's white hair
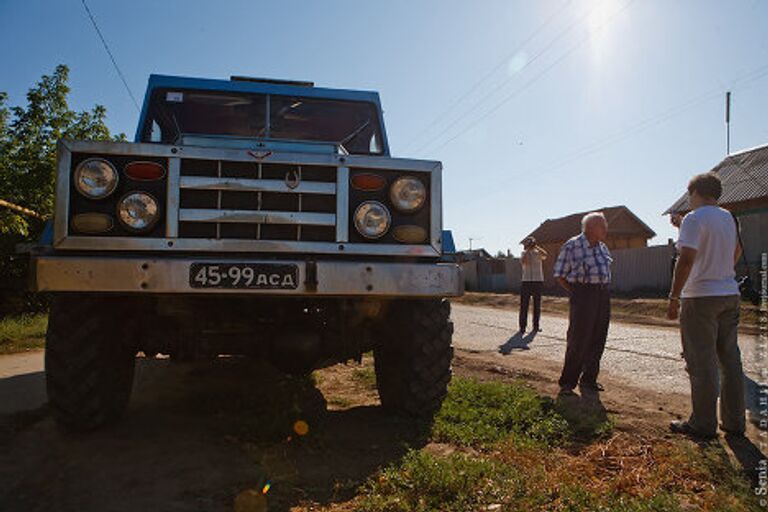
column 590, row 217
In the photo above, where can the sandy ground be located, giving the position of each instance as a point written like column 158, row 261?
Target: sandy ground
column 195, row 435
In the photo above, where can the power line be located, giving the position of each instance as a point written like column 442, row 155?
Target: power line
column 543, row 72
column 111, row 57
column 640, row 126
column 577, row 22
column 601, row 144
column 504, row 83
column 488, row 75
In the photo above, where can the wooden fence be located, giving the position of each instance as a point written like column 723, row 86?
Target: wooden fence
column 642, row 271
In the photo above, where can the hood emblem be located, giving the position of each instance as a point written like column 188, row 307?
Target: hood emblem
column 259, row 155
column 292, row 179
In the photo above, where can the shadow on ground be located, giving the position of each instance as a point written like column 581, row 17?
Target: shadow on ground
column 22, row 392
column 748, row 455
column 195, row 436
column 518, row 341
column 586, row 415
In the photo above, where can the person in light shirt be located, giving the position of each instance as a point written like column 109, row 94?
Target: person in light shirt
column 705, row 296
column 532, row 282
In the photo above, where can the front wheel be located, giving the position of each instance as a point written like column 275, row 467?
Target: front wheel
column 413, row 357
column 89, row 360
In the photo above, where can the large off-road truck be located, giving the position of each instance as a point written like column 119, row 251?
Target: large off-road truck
column 250, row 217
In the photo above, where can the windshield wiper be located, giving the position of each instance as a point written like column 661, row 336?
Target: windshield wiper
column 355, row 133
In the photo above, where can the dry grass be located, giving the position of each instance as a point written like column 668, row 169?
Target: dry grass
column 641, row 468
column 625, row 473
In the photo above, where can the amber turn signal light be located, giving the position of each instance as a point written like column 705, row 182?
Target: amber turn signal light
column 145, row 171
column 410, row 234
column 368, row 182
column 92, row 223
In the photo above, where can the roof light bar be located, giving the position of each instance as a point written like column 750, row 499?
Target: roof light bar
column 300, row 83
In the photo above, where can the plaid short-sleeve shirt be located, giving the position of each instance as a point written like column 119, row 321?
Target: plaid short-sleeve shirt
column 580, row 263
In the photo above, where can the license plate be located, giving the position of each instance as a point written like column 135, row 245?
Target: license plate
column 261, row 276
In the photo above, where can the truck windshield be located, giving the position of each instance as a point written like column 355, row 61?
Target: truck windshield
column 352, row 125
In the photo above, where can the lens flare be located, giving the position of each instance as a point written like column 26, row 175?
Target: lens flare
column 301, row 428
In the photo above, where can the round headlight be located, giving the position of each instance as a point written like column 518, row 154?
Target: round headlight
column 408, row 194
column 138, row 211
column 96, row 178
column 372, row 219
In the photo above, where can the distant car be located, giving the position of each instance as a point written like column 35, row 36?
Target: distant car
column 254, row 217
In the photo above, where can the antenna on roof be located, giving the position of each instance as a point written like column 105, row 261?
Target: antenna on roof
column 727, row 123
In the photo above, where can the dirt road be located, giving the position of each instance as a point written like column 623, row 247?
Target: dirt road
column 642, row 356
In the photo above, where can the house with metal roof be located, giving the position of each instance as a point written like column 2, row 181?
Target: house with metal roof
column 744, row 176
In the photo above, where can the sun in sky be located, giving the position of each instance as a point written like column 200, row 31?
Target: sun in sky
column 601, row 25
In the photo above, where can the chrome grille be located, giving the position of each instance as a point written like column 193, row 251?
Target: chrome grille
column 257, row 201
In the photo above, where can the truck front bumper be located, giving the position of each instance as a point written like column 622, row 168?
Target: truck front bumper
column 315, row 278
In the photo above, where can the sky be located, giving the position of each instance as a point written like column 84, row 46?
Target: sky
column 536, row 108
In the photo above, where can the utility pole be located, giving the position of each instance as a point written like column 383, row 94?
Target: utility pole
column 470, row 242
column 727, row 123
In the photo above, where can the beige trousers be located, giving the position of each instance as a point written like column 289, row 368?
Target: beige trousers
column 709, row 331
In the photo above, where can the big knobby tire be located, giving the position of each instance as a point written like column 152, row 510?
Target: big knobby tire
column 413, row 359
column 89, row 360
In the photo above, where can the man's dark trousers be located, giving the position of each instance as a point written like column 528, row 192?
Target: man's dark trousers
column 530, row 289
column 590, row 313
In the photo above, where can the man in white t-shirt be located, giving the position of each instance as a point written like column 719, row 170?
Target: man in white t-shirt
column 532, row 282
column 706, row 297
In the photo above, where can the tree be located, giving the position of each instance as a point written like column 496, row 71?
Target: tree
column 28, row 137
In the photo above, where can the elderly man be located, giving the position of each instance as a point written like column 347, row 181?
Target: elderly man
column 706, row 296
column 583, row 268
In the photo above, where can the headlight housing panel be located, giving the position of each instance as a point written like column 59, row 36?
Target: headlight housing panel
column 80, row 204
column 404, row 211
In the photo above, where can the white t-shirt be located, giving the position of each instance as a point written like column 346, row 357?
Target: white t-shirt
column 710, row 230
column 532, row 270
